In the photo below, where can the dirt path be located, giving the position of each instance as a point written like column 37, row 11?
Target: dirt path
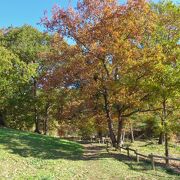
column 93, row 151
column 97, row 151
column 98, row 164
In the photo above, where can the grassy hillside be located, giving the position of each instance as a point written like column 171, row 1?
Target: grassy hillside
column 29, row 156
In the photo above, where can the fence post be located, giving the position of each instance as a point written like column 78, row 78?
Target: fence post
column 137, row 156
column 152, row 161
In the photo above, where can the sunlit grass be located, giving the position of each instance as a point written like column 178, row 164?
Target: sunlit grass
column 26, row 155
column 151, row 146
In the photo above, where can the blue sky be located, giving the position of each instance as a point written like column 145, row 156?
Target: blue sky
column 19, row 12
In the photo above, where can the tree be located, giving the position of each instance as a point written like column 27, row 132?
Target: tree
column 27, row 43
column 165, row 82
column 13, row 72
column 111, row 55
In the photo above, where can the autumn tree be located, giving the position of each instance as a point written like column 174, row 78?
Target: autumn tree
column 111, row 54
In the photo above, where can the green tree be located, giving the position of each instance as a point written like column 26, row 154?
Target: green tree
column 27, row 43
column 165, row 82
column 13, row 73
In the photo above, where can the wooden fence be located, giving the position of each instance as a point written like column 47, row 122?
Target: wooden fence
column 151, row 157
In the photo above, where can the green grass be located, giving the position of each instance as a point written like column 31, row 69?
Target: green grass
column 151, row 146
column 29, row 156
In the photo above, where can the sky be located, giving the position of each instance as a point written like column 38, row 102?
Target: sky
column 20, row 12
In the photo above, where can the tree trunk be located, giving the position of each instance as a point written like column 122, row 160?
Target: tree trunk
column 131, row 133
column 109, row 119
column 37, row 127
column 166, row 148
column 120, row 128
column 36, row 119
column 46, row 123
column 161, row 138
column 46, row 129
column 166, row 133
column 2, row 123
column 123, row 136
column 162, row 135
column 100, row 134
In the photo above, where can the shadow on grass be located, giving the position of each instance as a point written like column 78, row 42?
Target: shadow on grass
column 44, row 147
column 143, row 166
column 38, row 146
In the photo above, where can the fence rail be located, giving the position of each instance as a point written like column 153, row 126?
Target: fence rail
column 150, row 157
